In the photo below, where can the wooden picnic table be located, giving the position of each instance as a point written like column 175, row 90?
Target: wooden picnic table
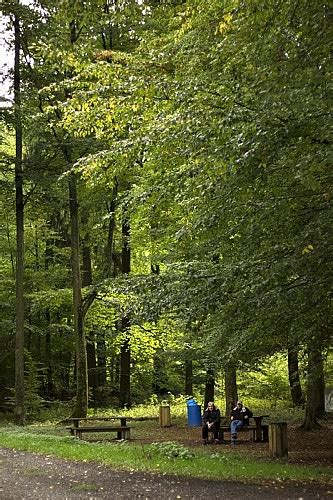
column 123, row 430
column 123, row 419
column 258, row 419
column 261, row 431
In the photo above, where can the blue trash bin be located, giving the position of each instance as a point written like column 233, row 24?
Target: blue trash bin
column 193, row 413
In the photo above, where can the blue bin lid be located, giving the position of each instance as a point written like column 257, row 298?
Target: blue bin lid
column 191, row 402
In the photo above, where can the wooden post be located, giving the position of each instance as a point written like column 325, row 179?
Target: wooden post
column 165, row 419
column 278, row 442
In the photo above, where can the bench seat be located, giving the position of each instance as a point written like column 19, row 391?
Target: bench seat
column 123, row 431
column 252, row 429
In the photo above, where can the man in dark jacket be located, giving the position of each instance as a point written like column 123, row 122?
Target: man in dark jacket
column 211, row 421
column 240, row 416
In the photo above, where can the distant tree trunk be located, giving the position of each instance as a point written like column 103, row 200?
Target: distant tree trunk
column 320, row 386
column 159, row 386
column 19, row 203
column 81, row 403
column 48, row 358
column 209, row 386
column 314, row 385
column 188, row 377
column 109, row 252
column 101, row 360
column 231, row 394
column 294, row 380
column 91, row 361
column 87, row 280
column 125, row 366
column 48, row 257
column 125, row 354
column 158, row 366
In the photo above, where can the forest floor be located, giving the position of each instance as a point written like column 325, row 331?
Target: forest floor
column 29, row 475
column 310, row 448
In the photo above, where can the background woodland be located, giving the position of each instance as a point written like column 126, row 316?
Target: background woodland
column 166, row 203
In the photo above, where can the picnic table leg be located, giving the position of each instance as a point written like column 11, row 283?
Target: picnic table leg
column 252, row 434
column 265, row 434
column 259, row 433
column 126, row 433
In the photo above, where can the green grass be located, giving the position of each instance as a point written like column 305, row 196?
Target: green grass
column 207, row 462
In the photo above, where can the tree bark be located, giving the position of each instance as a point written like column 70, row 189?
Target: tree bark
column 231, row 394
column 314, row 385
column 294, row 380
column 19, row 204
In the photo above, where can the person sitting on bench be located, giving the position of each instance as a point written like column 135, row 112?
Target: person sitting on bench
column 211, row 421
column 240, row 416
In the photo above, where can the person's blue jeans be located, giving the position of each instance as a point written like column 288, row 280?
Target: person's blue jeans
column 234, row 426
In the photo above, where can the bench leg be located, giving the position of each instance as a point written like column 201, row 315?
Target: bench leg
column 76, row 433
column 124, row 434
column 221, row 435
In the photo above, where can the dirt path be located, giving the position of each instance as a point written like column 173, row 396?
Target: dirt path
column 28, row 475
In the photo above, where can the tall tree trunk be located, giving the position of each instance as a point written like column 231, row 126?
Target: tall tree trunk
column 101, row 360
column 87, row 280
column 48, row 357
column 91, row 361
column 125, row 366
column 48, row 257
column 320, row 385
column 109, row 265
column 81, row 403
column 209, row 386
column 159, row 386
column 294, row 380
column 125, row 353
column 19, row 203
column 231, row 394
column 188, row 377
column 314, row 385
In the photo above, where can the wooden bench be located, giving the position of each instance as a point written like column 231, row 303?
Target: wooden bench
column 261, row 436
column 123, row 431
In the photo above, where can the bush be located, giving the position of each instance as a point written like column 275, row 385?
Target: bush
column 171, row 449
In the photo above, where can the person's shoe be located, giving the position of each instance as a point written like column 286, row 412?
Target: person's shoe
column 205, row 441
column 216, row 441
